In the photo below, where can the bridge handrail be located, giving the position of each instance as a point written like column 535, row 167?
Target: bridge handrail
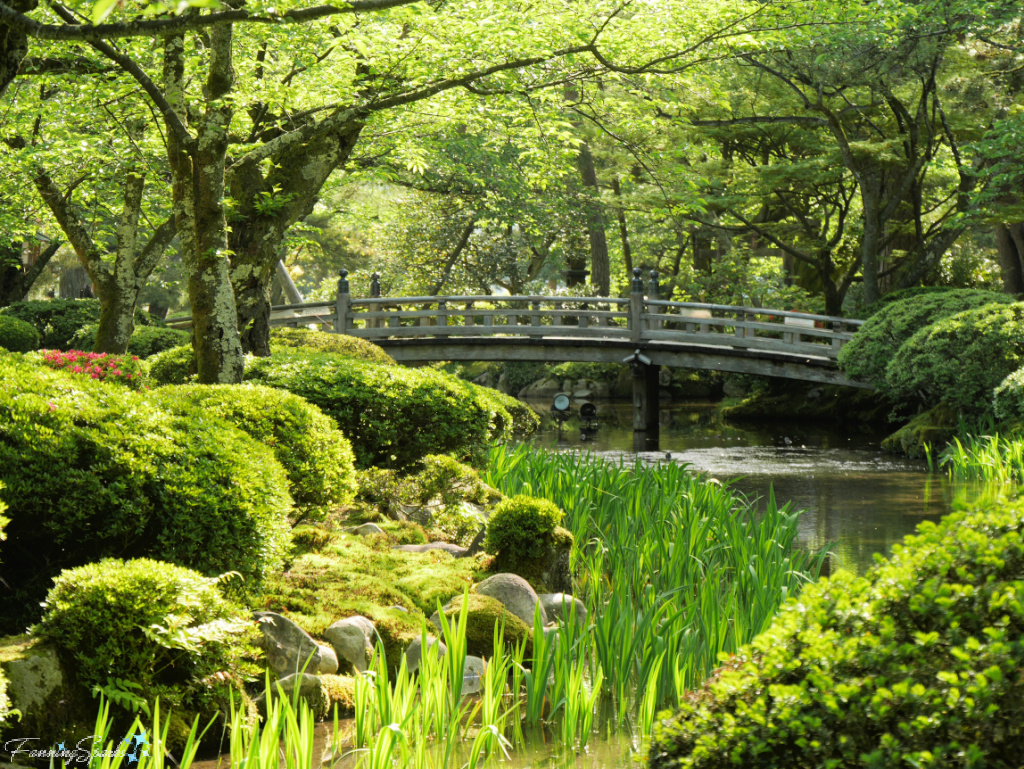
column 487, row 298
column 754, row 311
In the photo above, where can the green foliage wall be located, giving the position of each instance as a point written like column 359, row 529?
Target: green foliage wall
column 95, row 471
column 320, row 341
column 146, row 341
column 916, row 664
column 865, row 356
column 961, row 359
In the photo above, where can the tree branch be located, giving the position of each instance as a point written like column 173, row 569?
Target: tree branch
column 90, row 33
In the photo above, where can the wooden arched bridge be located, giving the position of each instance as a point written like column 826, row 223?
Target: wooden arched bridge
column 642, row 330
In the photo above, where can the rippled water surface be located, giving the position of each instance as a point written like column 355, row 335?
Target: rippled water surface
column 857, row 498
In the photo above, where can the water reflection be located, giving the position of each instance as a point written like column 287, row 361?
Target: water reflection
column 857, row 498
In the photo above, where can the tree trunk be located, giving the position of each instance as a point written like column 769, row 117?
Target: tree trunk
column 620, row 214
column 297, row 177
column 16, row 279
column 197, row 190
column 871, row 239
column 600, row 270
column 1010, row 242
column 13, row 46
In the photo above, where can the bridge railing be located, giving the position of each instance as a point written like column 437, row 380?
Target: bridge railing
column 641, row 318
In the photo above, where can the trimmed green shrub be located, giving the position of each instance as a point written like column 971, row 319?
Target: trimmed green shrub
column 915, row 664
column 95, row 471
column 959, row 360
column 174, row 366
column 520, row 528
column 394, row 416
column 1008, row 397
column 146, row 341
column 313, row 452
column 865, row 356
column 58, row 320
column 165, row 629
column 17, row 335
column 321, row 341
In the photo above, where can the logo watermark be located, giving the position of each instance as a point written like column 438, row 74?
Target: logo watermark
column 82, row 752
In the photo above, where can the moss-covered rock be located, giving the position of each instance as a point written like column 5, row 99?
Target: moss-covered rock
column 340, row 693
column 53, row 706
column 482, row 614
column 935, row 427
column 548, row 571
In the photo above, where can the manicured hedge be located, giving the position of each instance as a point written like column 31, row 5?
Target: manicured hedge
column 393, row 415
column 321, row 341
column 146, row 341
column 17, row 335
column 94, row 471
column 171, row 367
column 163, row 627
column 58, row 320
column 917, row 664
column 314, row 453
column 865, row 356
column 959, row 360
column 1008, row 397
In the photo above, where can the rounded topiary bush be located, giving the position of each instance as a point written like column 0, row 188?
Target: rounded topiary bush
column 93, row 471
column 166, row 629
column 865, row 356
column 959, row 360
column 321, row 341
column 915, row 664
column 58, row 320
column 314, row 453
column 1008, row 397
column 17, row 335
column 520, row 528
column 174, row 366
column 393, row 415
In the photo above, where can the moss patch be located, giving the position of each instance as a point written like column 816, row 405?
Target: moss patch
column 364, row 576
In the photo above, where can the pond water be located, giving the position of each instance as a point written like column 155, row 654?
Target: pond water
column 856, row 498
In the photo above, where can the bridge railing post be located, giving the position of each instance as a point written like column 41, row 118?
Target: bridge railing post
column 636, row 307
column 654, row 292
column 374, row 294
column 342, row 305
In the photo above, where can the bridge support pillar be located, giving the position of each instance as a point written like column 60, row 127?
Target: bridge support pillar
column 646, row 403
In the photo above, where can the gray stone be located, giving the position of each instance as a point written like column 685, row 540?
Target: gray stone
column 366, row 529
column 559, row 606
column 814, row 393
column 503, row 383
column 473, row 674
column 328, row 660
column 582, row 395
column 414, row 653
column 515, row 594
column 734, row 388
column 455, row 550
column 353, row 640
column 288, row 647
column 33, row 678
column 311, row 690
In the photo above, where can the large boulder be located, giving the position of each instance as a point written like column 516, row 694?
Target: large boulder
column 559, row 607
column 290, row 649
column 473, row 671
column 353, row 640
column 482, row 614
column 311, row 690
column 515, row 594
